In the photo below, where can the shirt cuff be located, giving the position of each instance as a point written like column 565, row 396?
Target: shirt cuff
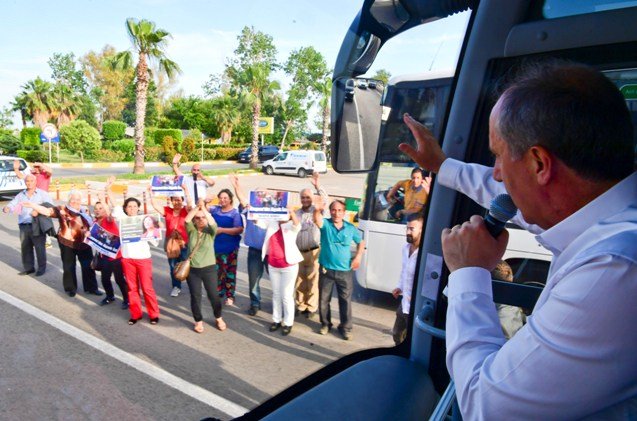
column 448, row 172
column 470, row 279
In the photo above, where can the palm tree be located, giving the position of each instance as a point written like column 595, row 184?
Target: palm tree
column 226, row 116
column 149, row 43
column 35, row 101
column 66, row 104
column 255, row 87
column 325, row 90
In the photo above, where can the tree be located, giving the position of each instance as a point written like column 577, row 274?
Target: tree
column 106, row 84
column 80, row 138
column 249, row 76
column 226, row 116
column 149, row 44
column 256, row 87
column 129, row 112
column 382, row 75
column 35, row 101
column 307, row 68
column 324, row 103
column 5, row 118
column 66, row 104
column 63, row 71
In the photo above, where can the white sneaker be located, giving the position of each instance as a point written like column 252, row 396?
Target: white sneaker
column 175, row 292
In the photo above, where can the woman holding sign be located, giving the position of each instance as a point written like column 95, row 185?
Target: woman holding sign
column 138, row 270
column 283, row 257
column 202, row 229
column 230, row 225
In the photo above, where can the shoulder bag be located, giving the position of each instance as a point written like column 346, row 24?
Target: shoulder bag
column 174, row 244
column 182, row 269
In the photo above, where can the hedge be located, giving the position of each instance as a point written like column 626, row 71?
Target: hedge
column 113, row 130
column 37, row 155
column 208, row 155
column 160, row 134
column 228, row 153
column 30, row 137
column 107, row 155
column 153, row 154
column 221, row 145
column 9, row 144
column 149, row 136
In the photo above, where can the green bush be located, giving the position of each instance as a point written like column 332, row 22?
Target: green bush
column 153, row 154
column 209, row 154
column 188, row 145
column 149, row 136
column 221, row 145
column 160, row 134
column 169, row 149
column 9, row 144
column 37, row 155
column 30, row 137
column 113, row 130
column 80, row 138
column 228, row 153
column 126, row 146
column 107, row 155
column 310, row 146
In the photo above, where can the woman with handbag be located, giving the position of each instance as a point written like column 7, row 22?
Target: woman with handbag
column 283, row 257
column 230, row 227
column 202, row 229
column 176, row 241
column 110, row 265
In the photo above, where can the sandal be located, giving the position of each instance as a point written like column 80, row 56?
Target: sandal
column 133, row 321
column 221, row 325
column 198, row 327
column 229, row 301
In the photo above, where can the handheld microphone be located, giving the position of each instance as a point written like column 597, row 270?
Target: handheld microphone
column 501, row 210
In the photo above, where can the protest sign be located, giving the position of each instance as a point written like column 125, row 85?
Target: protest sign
column 168, row 185
column 103, row 241
column 139, row 228
column 268, row 206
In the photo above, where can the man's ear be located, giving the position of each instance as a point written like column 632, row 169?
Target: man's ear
column 542, row 162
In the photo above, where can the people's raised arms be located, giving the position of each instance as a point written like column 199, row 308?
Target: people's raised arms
column 176, row 159
column 428, row 153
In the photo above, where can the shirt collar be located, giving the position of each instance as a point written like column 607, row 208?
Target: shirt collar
column 618, row 197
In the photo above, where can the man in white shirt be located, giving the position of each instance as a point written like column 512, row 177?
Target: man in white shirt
column 563, row 144
column 196, row 183
column 405, row 283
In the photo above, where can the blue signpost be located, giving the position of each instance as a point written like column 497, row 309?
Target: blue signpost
column 50, row 134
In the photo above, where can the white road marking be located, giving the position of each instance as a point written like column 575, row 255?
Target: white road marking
column 189, row 389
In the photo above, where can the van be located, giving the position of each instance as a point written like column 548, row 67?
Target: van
column 10, row 184
column 299, row 162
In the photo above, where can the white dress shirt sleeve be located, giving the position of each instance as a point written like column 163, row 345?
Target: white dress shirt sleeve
column 574, row 357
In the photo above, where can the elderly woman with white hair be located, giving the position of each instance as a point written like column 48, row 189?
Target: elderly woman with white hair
column 74, row 223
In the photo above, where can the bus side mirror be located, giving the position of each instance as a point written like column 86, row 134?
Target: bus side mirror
column 356, row 120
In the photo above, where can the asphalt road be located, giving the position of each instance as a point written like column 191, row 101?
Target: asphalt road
column 68, row 358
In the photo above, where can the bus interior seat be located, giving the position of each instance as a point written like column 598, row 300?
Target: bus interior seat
column 363, row 392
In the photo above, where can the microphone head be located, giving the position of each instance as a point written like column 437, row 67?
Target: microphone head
column 502, row 208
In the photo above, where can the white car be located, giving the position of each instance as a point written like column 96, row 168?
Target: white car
column 362, row 84
column 301, row 163
column 10, row 184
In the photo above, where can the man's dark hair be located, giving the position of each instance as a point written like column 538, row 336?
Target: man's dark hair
column 575, row 112
column 418, row 216
column 418, row 169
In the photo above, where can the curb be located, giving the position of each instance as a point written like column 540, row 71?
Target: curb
column 126, row 164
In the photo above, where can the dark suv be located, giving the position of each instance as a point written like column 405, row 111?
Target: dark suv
column 265, row 152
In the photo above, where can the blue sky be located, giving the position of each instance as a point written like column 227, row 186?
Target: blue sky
column 204, row 34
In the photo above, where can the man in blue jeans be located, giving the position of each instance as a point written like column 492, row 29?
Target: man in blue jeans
column 253, row 238
column 336, row 265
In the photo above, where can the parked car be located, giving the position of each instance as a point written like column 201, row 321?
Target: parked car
column 301, row 163
column 372, row 84
column 362, row 84
column 265, row 152
column 349, row 90
column 10, row 184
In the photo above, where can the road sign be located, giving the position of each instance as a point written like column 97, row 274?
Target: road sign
column 49, row 134
column 266, row 125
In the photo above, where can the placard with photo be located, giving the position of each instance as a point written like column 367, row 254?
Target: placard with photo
column 168, row 185
column 268, row 205
column 140, row 228
column 103, row 241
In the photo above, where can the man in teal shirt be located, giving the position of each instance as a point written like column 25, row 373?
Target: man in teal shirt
column 336, row 265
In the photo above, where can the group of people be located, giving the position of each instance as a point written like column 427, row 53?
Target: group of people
column 306, row 256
